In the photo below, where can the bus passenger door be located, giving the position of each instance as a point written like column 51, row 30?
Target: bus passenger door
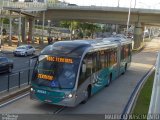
column 84, row 78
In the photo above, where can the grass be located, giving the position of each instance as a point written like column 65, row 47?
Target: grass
column 143, row 101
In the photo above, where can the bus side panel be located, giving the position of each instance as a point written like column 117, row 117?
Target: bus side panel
column 98, row 81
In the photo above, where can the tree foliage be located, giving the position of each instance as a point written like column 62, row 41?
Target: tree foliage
column 5, row 20
column 82, row 28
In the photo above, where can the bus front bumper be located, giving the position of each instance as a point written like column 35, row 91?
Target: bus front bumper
column 68, row 100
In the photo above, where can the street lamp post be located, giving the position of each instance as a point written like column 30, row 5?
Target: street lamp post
column 43, row 27
column 37, row 30
column 118, row 3
column 49, row 30
column 135, row 3
column 129, row 12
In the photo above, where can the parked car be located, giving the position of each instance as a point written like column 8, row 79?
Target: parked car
column 24, row 50
column 6, row 64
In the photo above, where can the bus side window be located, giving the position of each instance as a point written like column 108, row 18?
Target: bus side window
column 98, row 61
column 122, row 52
column 94, row 59
column 102, row 59
column 106, row 58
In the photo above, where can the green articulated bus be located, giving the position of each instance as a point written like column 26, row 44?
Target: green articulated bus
column 67, row 73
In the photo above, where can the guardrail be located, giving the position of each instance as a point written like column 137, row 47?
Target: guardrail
column 132, row 99
column 154, row 107
column 15, row 79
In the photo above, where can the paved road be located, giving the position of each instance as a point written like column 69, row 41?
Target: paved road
column 109, row 100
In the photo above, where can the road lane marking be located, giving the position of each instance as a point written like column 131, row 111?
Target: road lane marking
column 14, row 87
column 59, row 110
column 13, row 100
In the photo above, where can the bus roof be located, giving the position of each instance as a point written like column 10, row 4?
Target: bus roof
column 77, row 47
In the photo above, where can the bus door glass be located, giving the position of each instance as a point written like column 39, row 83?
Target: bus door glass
column 86, row 68
column 84, row 76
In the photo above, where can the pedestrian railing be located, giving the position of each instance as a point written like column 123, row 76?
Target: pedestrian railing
column 154, row 107
column 15, row 80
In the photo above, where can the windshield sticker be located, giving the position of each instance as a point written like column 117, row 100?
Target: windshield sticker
column 54, row 83
column 59, row 59
column 47, row 77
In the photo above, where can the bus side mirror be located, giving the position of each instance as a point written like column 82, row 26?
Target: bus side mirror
column 83, row 68
column 32, row 59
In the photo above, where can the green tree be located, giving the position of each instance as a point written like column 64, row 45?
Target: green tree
column 5, row 21
column 84, row 29
column 89, row 29
column 71, row 25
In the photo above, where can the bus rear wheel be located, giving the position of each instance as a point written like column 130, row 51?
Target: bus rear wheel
column 125, row 69
column 109, row 80
column 88, row 94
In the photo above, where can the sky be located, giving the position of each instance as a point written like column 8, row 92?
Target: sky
column 149, row 4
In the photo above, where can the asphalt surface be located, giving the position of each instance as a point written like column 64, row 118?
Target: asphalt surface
column 110, row 100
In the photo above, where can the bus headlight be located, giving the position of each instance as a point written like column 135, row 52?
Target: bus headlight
column 70, row 95
column 32, row 90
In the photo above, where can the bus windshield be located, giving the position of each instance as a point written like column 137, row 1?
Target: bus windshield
column 55, row 72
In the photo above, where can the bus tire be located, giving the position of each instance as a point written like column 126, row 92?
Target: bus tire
column 125, row 69
column 109, row 80
column 88, row 92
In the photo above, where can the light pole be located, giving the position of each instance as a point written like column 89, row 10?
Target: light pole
column 49, row 30
column 43, row 27
column 118, row 3
column 135, row 3
column 129, row 12
column 37, row 29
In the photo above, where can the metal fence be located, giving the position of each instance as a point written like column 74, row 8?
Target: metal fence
column 15, row 80
column 154, row 107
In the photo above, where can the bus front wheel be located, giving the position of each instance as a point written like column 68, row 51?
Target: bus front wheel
column 87, row 94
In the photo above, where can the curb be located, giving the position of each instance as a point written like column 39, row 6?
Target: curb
column 6, row 52
column 14, row 94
